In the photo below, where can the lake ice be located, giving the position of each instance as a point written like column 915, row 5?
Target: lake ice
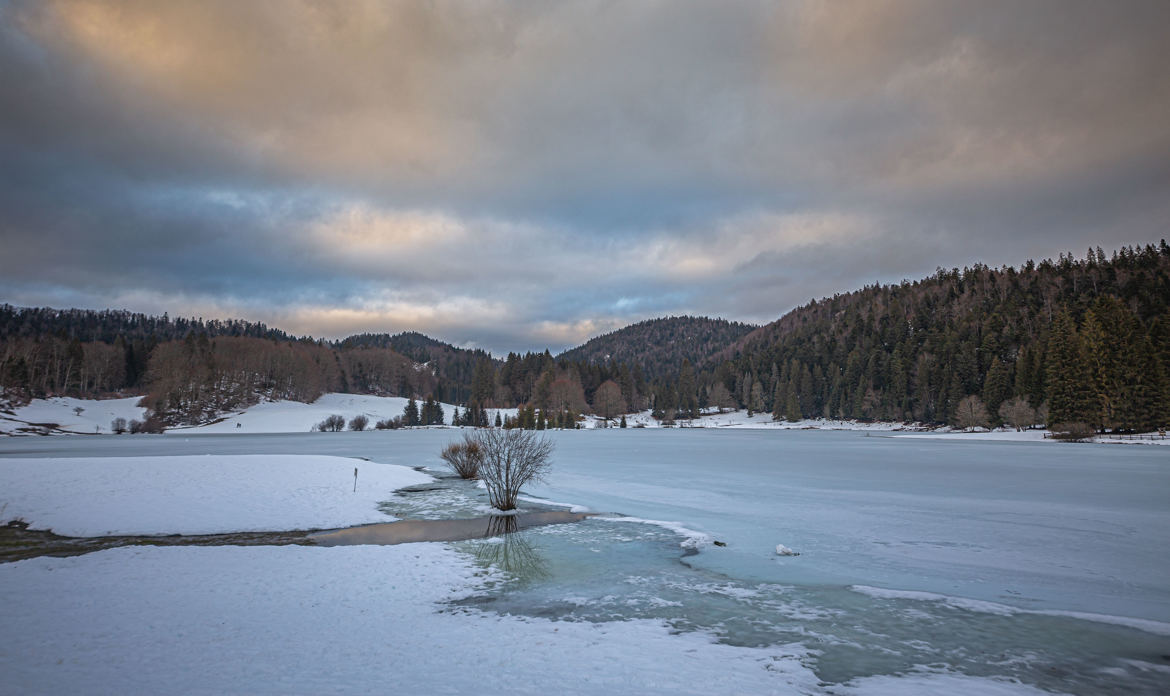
column 920, row 560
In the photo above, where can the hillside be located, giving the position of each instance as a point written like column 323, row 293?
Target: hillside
column 659, row 346
column 189, row 370
column 454, row 367
column 1086, row 339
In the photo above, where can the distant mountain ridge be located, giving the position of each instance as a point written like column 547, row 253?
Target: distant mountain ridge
column 660, row 346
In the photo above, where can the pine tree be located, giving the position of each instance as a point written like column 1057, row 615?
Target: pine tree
column 756, row 402
column 792, row 409
column 410, row 414
column 996, row 386
column 688, row 403
column 1069, row 386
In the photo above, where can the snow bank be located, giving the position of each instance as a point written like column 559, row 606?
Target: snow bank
column 691, row 538
column 95, row 416
column 762, row 421
column 196, row 494
column 1011, row 435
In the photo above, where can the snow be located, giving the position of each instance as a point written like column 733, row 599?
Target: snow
column 740, row 419
column 339, row 620
column 360, row 619
column 95, row 417
column 691, row 538
column 196, row 494
column 1066, row 530
column 297, row 417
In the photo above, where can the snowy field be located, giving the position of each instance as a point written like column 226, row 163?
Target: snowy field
column 926, row 566
column 209, row 494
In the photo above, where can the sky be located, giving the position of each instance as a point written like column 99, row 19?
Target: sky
column 525, row 175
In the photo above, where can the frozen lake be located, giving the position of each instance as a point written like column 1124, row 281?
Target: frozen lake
column 1041, row 562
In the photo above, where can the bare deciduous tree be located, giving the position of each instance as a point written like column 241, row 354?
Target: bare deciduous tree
column 608, row 401
column 359, row 423
column 118, row 425
column 464, row 457
column 1017, row 413
column 971, row 413
column 721, row 398
column 511, row 459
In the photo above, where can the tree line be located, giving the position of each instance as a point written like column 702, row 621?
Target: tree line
column 1075, row 340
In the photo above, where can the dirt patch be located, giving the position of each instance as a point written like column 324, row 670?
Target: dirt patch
column 18, row 543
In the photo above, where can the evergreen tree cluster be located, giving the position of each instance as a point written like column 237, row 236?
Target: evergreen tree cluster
column 1089, row 338
column 431, row 413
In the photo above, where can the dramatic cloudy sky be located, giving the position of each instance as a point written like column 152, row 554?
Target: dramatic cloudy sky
column 522, row 175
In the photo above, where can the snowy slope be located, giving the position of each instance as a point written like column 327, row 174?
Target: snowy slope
column 196, row 494
column 95, row 415
column 297, row 417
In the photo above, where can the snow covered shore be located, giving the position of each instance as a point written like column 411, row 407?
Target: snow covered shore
column 297, row 417
column 209, row 494
column 331, row 620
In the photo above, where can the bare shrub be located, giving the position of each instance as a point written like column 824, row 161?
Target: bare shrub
column 118, row 425
column 389, row 423
column 1072, row 432
column 511, row 459
column 332, row 424
column 464, row 457
column 359, row 423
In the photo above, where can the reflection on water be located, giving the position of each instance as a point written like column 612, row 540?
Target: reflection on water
column 511, row 551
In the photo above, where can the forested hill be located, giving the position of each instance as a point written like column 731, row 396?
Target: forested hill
column 455, row 367
column 659, row 346
column 110, row 324
column 1089, row 339
column 190, row 370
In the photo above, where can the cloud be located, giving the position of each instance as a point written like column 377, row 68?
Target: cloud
column 536, row 171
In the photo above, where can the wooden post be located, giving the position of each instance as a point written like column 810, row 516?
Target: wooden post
column 355, row 479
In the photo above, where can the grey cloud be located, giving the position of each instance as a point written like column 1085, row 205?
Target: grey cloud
column 194, row 151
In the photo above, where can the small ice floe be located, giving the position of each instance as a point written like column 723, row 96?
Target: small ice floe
column 782, row 550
